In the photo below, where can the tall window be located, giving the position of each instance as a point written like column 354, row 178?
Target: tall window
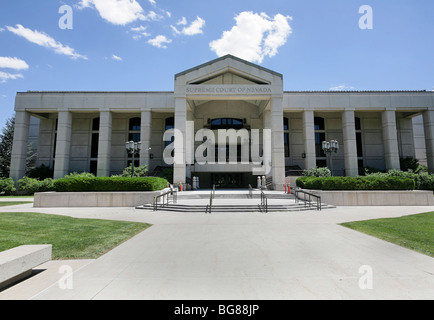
column 93, row 167
column 135, row 125
column 286, row 137
column 359, row 137
column 320, row 136
column 134, row 129
column 227, row 123
column 359, row 143
column 169, row 125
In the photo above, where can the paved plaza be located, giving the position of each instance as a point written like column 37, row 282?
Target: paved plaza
column 238, row 256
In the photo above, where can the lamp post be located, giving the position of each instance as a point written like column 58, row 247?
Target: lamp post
column 329, row 148
column 132, row 148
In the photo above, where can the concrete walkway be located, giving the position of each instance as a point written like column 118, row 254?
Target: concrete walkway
column 239, row 256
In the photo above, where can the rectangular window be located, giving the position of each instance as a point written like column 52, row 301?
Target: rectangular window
column 94, row 145
column 134, row 137
column 361, row 167
column 319, row 139
column 93, row 167
column 136, row 163
column 286, row 138
column 359, row 144
column 321, row 163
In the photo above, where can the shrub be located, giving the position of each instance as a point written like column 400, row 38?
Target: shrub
column 422, row 179
column 358, row 183
column 408, row 163
column 7, row 185
column 426, row 181
column 75, row 175
column 139, row 172
column 30, row 186
column 105, row 184
column 317, row 172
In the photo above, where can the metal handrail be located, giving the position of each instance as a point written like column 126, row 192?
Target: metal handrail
column 250, row 191
column 264, row 202
column 311, row 195
column 211, row 198
column 165, row 197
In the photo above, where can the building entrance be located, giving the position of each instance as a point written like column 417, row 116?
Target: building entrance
column 231, row 180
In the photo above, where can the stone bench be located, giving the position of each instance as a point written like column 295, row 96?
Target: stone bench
column 17, row 263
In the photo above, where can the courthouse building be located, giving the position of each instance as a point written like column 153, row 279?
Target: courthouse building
column 87, row 131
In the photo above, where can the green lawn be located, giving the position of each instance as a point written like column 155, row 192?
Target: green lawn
column 12, row 203
column 16, row 197
column 71, row 238
column 414, row 232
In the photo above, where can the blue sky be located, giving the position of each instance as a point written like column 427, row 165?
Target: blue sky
column 138, row 45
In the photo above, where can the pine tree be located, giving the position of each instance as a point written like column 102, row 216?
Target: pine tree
column 6, row 141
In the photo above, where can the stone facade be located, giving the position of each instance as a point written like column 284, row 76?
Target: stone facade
column 87, row 131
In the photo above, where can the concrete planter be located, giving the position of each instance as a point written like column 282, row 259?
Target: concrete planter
column 376, row 198
column 93, row 199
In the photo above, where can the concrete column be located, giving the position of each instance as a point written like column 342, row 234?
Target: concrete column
column 350, row 144
column 20, row 145
column 406, row 137
column 428, row 123
column 146, row 135
column 277, row 143
column 105, row 144
column 63, row 145
column 179, row 166
column 390, row 139
column 309, row 139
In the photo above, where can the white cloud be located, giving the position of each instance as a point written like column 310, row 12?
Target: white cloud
column 254, row 37
column 138, row 29
column 139, row 32
column 119, row 12
column 5, row 76
column 153, row 2
column 160, row 41
column 194, row 28
column 342, row 87
column 182, row 22
column 44, row 40
column 153, row 16
column 117, row 58
column 13, row 63
column 2, row 29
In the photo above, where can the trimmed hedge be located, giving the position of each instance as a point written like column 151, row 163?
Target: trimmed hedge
column 105, row 184
column 423, row 180
column 358, row 183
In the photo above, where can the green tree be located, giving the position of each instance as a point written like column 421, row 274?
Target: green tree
column 141, row 171
column 6, row 142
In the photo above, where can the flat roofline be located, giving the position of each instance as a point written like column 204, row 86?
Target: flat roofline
column 78, row 92
column 361, row 91
column 172, row 92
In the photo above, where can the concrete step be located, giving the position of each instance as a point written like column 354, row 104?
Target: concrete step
column 232, row 208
